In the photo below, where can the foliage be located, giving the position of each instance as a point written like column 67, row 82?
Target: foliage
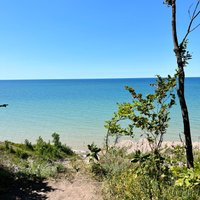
column 42, row 159
column 21, row 154
column 94, row 150
column 150, row 113
column 185, row 54
column 115, row 160
column 41, row 168
column 9, row 147
column 96, row 167
column 49, row 151
column 28, row 145
column 152, row 176
column 189, row 178
column 110, row 162
column 56, row 140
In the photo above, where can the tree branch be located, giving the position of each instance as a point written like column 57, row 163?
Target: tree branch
column 195, row 27
column 189, row 11
column 195, row 14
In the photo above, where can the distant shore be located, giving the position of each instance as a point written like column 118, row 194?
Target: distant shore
column 143, row 145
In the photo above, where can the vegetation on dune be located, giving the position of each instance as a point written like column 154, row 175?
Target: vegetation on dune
column 32, row 161
column 42, row 150
column 161, row 175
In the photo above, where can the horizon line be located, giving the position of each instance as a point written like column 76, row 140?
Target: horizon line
column 41, row 79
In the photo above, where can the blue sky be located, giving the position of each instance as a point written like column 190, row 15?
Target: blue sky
column 48, row 39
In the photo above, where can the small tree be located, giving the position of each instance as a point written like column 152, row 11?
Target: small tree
column 149, row 113
column 182, row 57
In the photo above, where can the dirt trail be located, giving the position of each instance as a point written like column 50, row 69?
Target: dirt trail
column 82, row 187
column 79, row 187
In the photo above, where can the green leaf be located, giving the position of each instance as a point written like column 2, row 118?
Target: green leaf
column 179, row 182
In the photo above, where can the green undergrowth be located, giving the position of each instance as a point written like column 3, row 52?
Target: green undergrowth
column 42, row 159
column 161, row 175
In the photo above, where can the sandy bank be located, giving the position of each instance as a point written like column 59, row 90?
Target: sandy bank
column 143, row 145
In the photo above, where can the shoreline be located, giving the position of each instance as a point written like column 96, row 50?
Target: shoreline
column 129, row 145
column 143, row 145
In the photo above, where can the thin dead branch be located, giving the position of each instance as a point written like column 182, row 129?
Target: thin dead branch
column 195, row 14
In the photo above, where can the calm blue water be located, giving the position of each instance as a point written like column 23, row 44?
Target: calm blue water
column 77, row 109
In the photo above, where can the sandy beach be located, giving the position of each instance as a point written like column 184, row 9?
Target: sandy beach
column 143, row 145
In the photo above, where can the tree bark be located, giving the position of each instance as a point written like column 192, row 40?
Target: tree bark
column 181, row 90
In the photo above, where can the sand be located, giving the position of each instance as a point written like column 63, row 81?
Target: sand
column 82, row 187
column 143, row 145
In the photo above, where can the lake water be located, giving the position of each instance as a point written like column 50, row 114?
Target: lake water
column 77, row 109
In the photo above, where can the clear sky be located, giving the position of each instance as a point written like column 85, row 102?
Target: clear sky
column 60, row 39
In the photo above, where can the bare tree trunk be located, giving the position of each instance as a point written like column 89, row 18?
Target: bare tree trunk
column 186, row 121
column 180, row 91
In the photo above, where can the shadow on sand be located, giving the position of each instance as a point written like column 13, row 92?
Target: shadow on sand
column 22, row 187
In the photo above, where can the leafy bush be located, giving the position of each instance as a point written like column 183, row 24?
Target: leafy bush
column 115, row 160
column 67, row 150
column 56, row 140
column 110, row 162
column 28, row 145
column 9, row 147
column 52, row 151
column 44, row 169
column 94, row 151
column 127, row 185
column 46, row 150
column 152, row 176
column 148, row 113
column 189, row 178
column 21, row 154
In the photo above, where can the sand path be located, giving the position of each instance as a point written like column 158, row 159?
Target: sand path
column 82, row 187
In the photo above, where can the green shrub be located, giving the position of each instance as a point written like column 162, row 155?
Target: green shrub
column 52, row 151
column 44, row 169
column 28, row 145
column 56, row 140
column 115, row 160
column 42, row 159
column 128, row 185
column 94, row 151
column 110, row 162
column 9, row 147
column 21, row 154
column 152, row 176
column 67, row 150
